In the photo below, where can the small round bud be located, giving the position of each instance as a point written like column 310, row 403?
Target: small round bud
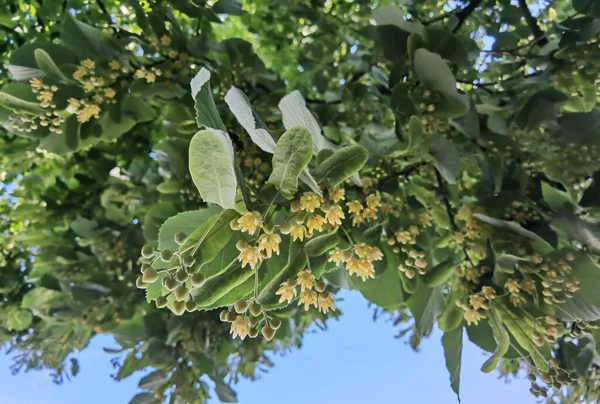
column 235, row 226
column 178, row 308
column 347, row 255
column 299, row 220
column 166, row 255
column 223, row 315
column 295, row 206
column 198, row 280
column 181, row 293
column 531, row 377
column 188, row 261
column 161, row 302
column 410, row 273
column 231, row 316
column 325, row 207
column 285, row 228
column 240, row 306
column 181, row 275
column 268, row 228
column 180, row 238
column 253, row 332
column 255, row 309
column 150, row 275
column 140, row 283
column 319, row 287
column 170, row 283
column 240, row 245
column 190, row 305
column 147, row 251
column 268, row 332
column 275, row 323
column 554, row 362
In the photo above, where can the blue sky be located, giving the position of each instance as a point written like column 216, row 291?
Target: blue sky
column 355, row 361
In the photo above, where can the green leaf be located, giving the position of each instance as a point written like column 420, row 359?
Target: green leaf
column 319, row 245
column 84, row 39
column 497, row 124
column 218, row 286
column 296, row 262
column 591, row 196
column 439, row 274
column 447, row 159
column 184, row 222
column 47, row 65
column 19, row 320
column 22, row 63
column 292, row 153
column 240, row 107
column 231, row 7
column 143, row 398
column 18, row 105
column 453, row 343
column 341, row 165
column 224, row 392
column 425, row 305
column 206, row 110
column 295, row 113
column 385, row 290
column 130, row 332
column 482, row 335
column 153, row 381
column 436, row 75
column 85, row 228
column 155, row 289
column 392, row 15
column 501, row 337
column 310, row 181
column 71, row 132
column 211, row 161
column 585, row 305
column 211, row 236
column 556, row 199
column 516, row 228
column 580, row 128
column 578, row 229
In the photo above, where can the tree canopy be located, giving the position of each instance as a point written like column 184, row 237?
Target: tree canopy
column 199, row 179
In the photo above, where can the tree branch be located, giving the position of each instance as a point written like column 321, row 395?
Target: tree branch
column 538, row 34
column 464, row 13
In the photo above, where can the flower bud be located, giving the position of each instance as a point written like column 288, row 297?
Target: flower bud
column 181, row 293
column 178, row 308
column 319, row 287
column 295, row 206
column 170, row 283
column 190, row 305
column 255, row 309
column 150, row 275
column 223, row 315
column 231, row 316
column 198, row 280
column 410, row 273
column 235, row 226
column 181, row 275
column 161, row 302
column 268, row 332
column 241, row 306
column 253, row 332
column 188, row 261
column 240, row 245
column 147, row 251
column 268, row 228
column 180, row 238
column 140, row 283
column 166, row 255
column 285, row 228
column 275, row 323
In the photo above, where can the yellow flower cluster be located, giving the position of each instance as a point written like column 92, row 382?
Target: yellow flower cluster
column 359, row 261
column 362, row 214
column 84, row 110
column 266, row 245
column 51, row 118
column 477, row 304
column 310, row 294
column 240, row 327
column 473, row 229
column 150, row 76
column 249, row 255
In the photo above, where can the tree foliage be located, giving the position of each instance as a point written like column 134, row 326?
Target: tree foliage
column 177, row 171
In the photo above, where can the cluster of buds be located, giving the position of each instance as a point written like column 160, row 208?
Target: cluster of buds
column 177, row 60
column 51, row 118
column 358, row 260
column 477, row 304
column 243, row 316
column 177, row 280
column 582, row 327
column 149, row 75
column 97, row 88
column 555, row 378
column 521, row 213
column 516, row 288
column 472, row 230
column 549, row 331
column 312, row 292
column 558, row 285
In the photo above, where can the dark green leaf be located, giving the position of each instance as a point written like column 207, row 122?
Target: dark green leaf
column 292, row 154
column 341, row 165
column 452, row 342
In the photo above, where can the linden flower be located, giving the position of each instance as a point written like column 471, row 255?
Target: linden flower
column 150, row 77
column 109, row 93
column 308, row 298
column 517, row 299
column 512, row 286
column 478, row 302
column 315, row 222
column 165, row 40
column 240, row 327
column 369, row 214
column 357, row 220
column 425, row 219
column 528, row 285
column 305, row 280
column 286, row 292
column 249, row 222
column 36, row 83
column 269, row 243
column 335, row 215
column 337, row 194
column 326, row 302
column 473, row 317
column 367, row 252
column 88, row 64
column 310, row 201
column 403, row 237
column 298, row 232
column 488, row 292
column 114, row 65
column 249, row 256
column 338, row 256
column 354, row 207
column 374, row 201
column 352, row 265
column 88, row 112
column 140, row 74
column 365, row 269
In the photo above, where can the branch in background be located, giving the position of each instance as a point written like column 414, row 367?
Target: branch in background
column 538, row 34
column 464, row 13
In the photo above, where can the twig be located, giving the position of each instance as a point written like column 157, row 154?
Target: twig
column 464, row 13
column 538, row 34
